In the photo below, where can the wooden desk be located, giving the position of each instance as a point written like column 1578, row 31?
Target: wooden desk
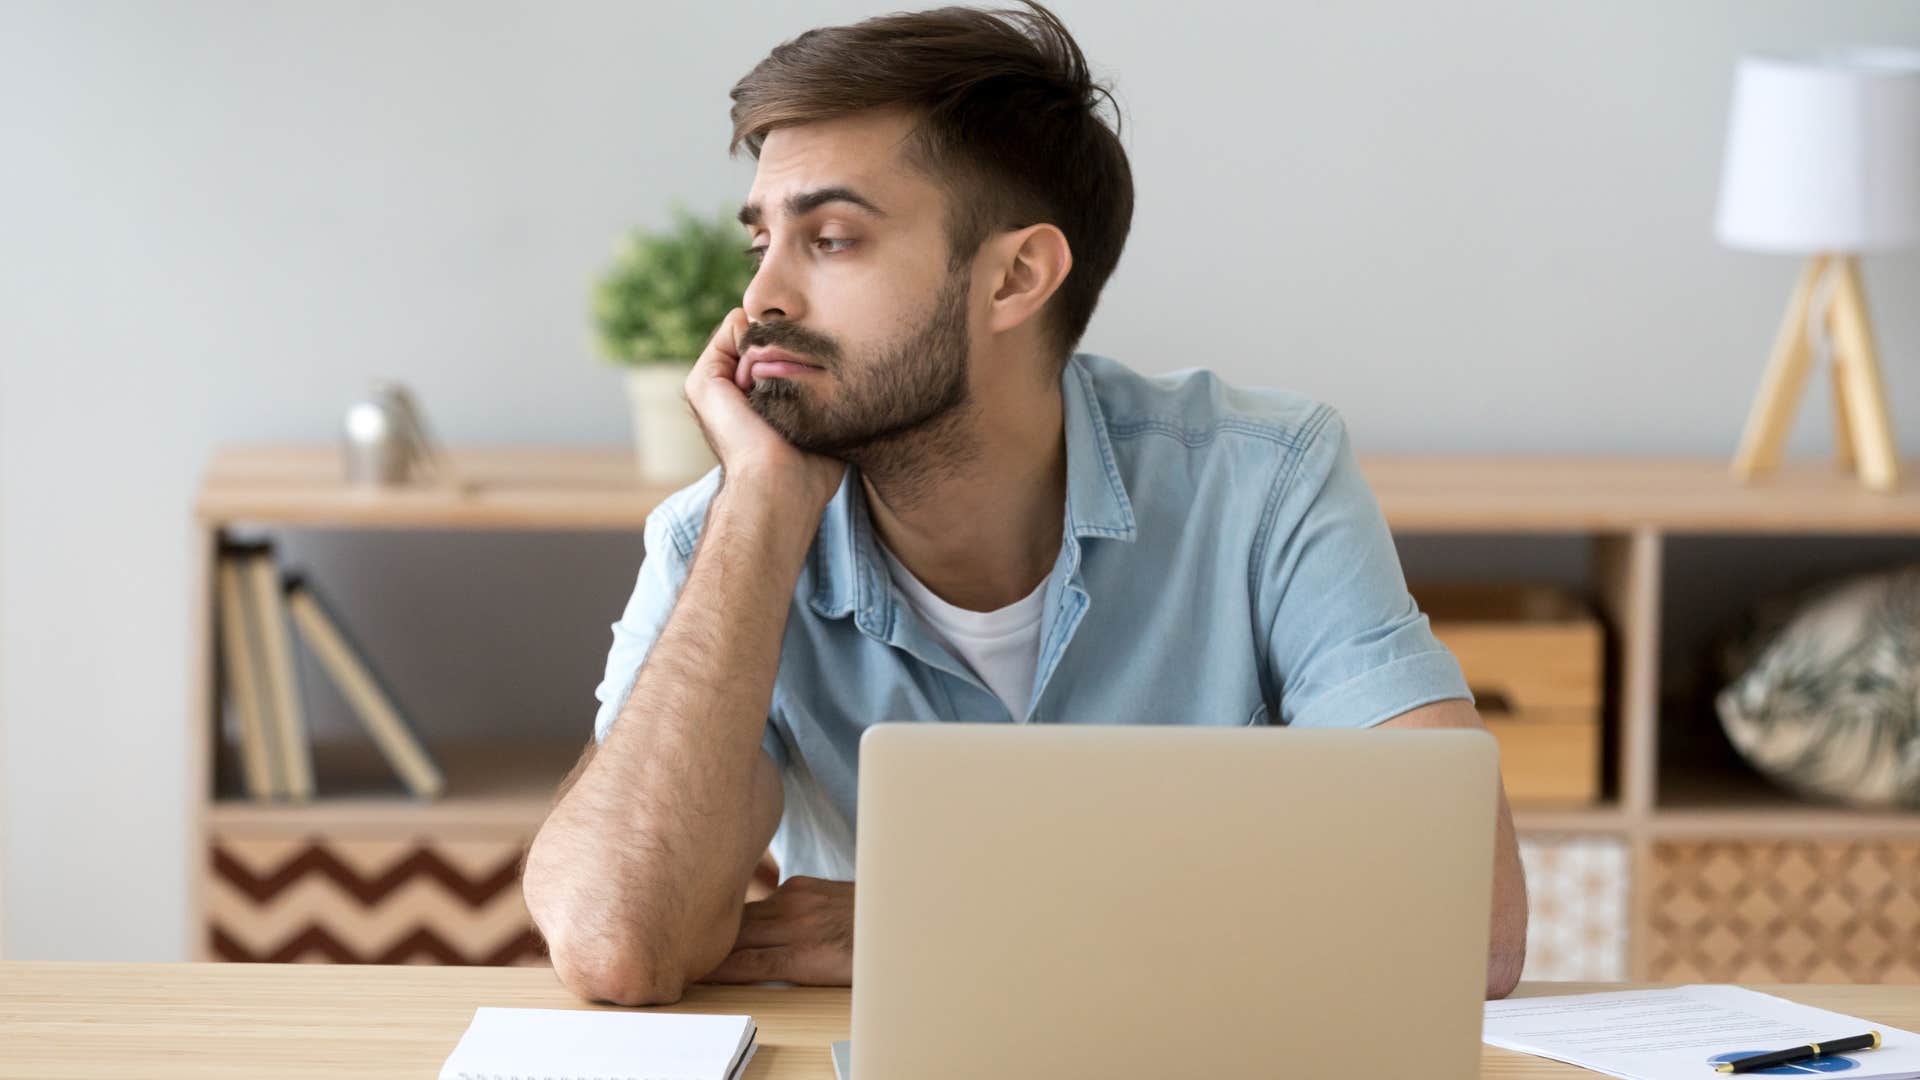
column 296, row 1020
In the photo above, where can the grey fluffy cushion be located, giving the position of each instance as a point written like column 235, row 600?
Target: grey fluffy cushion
column 1827, row 699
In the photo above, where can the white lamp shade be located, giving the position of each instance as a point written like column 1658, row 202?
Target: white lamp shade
column 1823, row 152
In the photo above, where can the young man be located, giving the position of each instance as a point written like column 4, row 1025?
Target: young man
column 930, row 508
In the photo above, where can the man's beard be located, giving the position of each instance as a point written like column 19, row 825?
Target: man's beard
column 914, row 393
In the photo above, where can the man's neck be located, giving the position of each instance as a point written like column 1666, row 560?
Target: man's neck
column 976, row 510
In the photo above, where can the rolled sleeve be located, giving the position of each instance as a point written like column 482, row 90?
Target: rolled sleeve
column 663, row 573
column 1346, row 642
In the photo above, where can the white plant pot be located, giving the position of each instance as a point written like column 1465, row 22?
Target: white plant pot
column 666, row 439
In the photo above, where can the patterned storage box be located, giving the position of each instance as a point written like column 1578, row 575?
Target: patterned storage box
column 1577, row 889
column 425, row 900
column 1813, row 910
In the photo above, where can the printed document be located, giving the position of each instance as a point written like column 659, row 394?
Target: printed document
column 1683, row 1032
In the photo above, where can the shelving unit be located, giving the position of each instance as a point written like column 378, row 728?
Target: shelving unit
column 365, row 873
column 1683, row 835
column 1721, row 865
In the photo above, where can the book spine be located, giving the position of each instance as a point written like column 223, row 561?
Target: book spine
column 283, row 690
column 257, row 766
column 375, row 709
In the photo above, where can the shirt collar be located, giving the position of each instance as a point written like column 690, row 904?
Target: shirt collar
column 849, row 574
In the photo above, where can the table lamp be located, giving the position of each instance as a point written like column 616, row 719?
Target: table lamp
column 1823, row 159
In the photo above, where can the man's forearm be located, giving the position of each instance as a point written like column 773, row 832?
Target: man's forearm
column 638, row 873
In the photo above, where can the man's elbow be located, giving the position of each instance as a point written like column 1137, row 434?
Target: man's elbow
column 1507, row 956
column 1503, row 972
column 597, row 954
column 618, row 973
column 597, row 948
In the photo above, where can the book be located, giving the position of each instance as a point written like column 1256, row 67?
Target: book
column 363, row 690
column 244, row 678
column 281, row 692
column 535, row 1043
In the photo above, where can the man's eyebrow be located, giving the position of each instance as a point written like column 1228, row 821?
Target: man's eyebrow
column 804, row 202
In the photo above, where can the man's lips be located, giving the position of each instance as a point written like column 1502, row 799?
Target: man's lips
column 772, row 362
column 768, row 354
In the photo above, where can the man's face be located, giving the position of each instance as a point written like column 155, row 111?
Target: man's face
column 861, row 291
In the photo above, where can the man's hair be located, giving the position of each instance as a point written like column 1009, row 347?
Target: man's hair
column 1007, row 127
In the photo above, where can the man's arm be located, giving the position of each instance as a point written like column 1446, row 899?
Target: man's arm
column 637, row 878
column 1508, row 948
column 1347, row 644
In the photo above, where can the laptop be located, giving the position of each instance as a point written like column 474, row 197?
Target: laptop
column 1171, row 901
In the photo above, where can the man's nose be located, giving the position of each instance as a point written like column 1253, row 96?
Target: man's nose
column 772, row 294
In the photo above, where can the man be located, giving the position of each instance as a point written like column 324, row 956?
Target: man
column 930, row 508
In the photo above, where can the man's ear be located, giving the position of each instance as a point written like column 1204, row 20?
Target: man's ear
column 1032, row 262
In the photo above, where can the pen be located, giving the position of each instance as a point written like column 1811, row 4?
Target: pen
column 1869, row 1041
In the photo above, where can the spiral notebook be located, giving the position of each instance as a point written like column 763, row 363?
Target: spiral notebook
column 536, row 1044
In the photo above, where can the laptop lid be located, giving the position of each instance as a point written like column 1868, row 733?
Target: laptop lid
column 1159, row 901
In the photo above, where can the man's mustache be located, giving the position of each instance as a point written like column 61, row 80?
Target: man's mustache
column 788, row 337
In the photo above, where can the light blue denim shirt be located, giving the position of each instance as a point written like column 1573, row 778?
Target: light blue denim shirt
column 1223, row 562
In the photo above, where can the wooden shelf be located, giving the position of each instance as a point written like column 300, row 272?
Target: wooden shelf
column 1586, row 494
column 596, row 488
column 1599, row 818
column 490, row 786
column 510, row 488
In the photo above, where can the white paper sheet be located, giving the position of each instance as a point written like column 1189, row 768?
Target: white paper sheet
column 1681, row 1033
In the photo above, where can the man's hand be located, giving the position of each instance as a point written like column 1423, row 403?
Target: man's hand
column 803, row 934
column 744, row 442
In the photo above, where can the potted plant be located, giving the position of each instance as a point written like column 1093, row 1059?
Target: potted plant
column 654, row 309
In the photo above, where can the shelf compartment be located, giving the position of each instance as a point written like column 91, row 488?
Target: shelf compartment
column 491, row 787
column 1718, row 798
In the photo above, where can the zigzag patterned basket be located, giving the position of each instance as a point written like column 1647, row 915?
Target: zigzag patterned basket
column 424, row 900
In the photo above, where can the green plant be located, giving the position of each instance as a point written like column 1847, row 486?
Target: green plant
column 667, row 290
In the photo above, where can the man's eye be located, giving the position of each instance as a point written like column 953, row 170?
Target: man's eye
column 759, row 253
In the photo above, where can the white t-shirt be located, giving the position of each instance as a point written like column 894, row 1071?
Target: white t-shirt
column 1002, row 647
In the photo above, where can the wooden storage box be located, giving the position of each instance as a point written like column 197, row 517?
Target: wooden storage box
column 1533, row 657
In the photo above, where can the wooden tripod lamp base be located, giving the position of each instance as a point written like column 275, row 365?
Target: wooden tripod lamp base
column 1862, row 431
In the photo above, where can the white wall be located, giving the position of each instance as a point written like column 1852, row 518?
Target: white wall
column 1473, row 227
